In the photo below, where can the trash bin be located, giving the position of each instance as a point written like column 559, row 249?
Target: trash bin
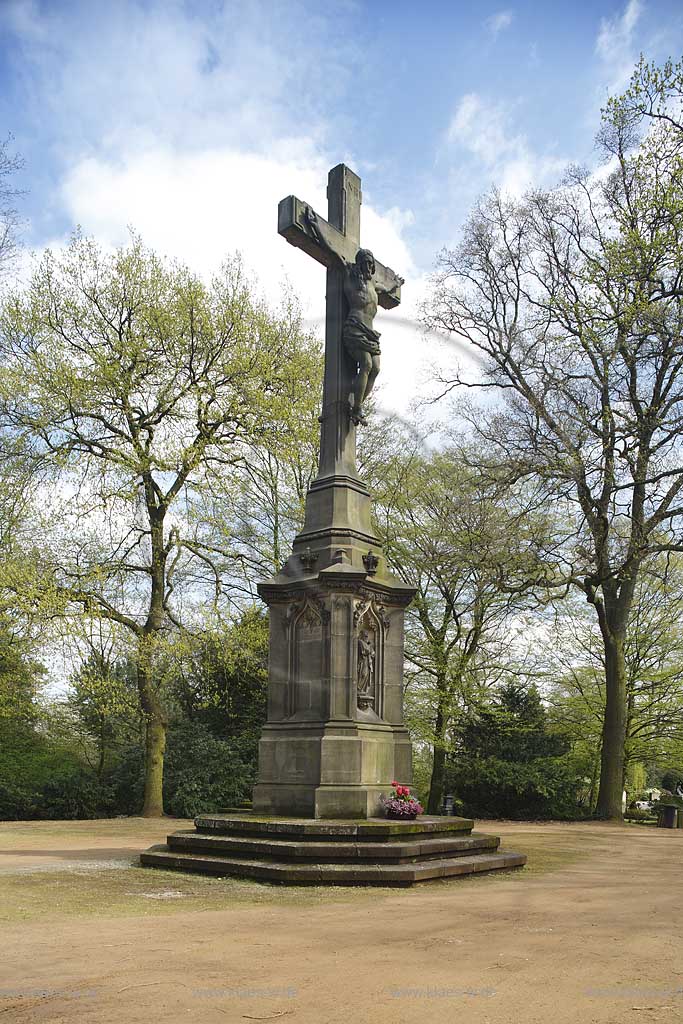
column 668, row 815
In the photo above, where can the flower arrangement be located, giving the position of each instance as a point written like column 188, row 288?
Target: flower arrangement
column 401, row 804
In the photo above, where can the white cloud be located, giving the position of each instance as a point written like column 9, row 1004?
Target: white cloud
column 615, row 45
column 485, row 130
column 499, row 22
column 479, row 126
column 190, row 129
column 203, row 206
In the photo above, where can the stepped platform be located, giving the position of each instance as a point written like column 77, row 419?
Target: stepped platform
column 306, row 851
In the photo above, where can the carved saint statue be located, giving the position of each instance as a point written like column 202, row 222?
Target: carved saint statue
column 360, row 338
column 366, row 668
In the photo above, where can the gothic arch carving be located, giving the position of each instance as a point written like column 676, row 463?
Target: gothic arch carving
column 370, row 626
column 307, row 627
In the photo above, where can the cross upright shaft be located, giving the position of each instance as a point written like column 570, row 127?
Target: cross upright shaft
column 337, row 430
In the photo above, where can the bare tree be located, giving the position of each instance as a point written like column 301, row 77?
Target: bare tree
column 653, row 654
column 575, row 299
column 10, row 163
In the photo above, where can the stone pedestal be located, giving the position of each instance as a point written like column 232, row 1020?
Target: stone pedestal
column 334, row 739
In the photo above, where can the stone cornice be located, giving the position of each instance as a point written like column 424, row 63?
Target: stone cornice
column 343, row 582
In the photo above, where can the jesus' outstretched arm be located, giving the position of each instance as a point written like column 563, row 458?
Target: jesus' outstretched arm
column 316, row 230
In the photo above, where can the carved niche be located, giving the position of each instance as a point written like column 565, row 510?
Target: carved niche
column 306, row 624
column 370, row 624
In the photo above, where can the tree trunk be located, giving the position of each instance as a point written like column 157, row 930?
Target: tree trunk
column 595, row 778
column 155, row 745
column 439, row 760
column 102, row 751
column 613, row 731
column 156, row 719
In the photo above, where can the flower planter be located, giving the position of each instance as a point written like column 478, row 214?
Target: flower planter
column 401, row 806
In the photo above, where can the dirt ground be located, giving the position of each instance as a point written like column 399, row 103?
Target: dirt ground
column 590, row 931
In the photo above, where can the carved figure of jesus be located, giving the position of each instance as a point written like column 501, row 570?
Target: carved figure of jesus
column 366, row 667
column 361, row 340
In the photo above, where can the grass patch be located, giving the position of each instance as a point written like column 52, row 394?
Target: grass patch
column 544, row 860
column 22, row 833
column 545, row 853
column 88, row 890
column 132, row 892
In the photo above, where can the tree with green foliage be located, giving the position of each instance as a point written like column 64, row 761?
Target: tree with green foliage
column 468, row 545
column 672, row 780
column 134, row 392
column 574, row 299
column 254, row 521
column 222, row 681
column 20, row 676
column 103, row 698
column 37, row 747
column 509, row 763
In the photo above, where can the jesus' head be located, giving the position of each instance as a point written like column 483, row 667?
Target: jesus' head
column 365, row 263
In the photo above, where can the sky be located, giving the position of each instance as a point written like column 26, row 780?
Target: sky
column 188, row 121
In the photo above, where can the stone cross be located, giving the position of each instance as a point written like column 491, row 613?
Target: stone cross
column 341, row 243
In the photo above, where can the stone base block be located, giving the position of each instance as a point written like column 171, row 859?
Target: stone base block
column 319, row 801
column 329, row 770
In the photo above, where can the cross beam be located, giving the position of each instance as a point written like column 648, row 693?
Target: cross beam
column 293, row 224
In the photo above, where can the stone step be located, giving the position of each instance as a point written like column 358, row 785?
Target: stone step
column 294, row 873
column 339, row 830
column 410, row 848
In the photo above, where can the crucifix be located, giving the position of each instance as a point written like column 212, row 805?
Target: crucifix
column 335, row 734
column 356, row 284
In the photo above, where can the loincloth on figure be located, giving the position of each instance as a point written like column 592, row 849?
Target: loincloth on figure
column 359, row 338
